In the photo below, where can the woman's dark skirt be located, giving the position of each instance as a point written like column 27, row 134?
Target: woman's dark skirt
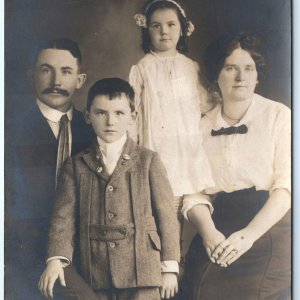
column 263, row 272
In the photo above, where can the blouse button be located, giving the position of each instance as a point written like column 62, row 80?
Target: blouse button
column 112, row 245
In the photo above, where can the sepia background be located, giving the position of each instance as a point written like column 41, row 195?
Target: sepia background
column 111, row 42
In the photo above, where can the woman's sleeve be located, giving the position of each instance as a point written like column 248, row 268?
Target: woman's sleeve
column 282, row 159
column 135, row 79
column 189, row 201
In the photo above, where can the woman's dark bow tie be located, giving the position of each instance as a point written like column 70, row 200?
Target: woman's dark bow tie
column 242, row 129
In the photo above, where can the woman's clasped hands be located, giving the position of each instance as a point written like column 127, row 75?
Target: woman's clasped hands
column 224, row 251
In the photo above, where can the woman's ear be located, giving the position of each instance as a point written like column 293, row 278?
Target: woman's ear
column 86, row 114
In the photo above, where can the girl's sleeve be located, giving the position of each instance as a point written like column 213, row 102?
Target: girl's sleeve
column 135, row 79
column 282, row 159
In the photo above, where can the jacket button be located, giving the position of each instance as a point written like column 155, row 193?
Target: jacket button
column 104, row 232
column 112, row 245
column 110, row 188
column 110, row 215
column 126, row 156
column 99, row 170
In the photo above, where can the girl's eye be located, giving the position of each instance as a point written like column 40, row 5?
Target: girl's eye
column 172, row 24
column 119, row 113
column 155, row 26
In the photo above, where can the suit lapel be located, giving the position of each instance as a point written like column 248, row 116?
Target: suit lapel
column 42, row 137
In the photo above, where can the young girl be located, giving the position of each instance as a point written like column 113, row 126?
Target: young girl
column 168, row 99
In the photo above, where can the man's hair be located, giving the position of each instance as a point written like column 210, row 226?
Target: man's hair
column 60, row 44
column 111, row 87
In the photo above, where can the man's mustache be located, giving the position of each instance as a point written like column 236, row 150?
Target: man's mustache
column 56, row 91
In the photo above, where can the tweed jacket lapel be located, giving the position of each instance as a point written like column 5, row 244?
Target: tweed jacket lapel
column 94, row 159
column 126, row 160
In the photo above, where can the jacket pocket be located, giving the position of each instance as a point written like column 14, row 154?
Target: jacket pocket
column 155, row 240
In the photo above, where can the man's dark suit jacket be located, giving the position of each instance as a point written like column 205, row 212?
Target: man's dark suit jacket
column 30, row 187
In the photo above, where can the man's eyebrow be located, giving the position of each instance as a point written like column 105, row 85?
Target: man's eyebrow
column 45, row 65
column 67, row 68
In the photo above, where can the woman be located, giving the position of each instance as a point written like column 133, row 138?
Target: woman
column 243, row 248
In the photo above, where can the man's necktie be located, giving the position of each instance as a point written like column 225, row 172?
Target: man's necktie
column 242, row 129
column 63, row 151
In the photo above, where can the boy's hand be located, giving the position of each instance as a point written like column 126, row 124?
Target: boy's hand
column 53, row 271
column 169, row 285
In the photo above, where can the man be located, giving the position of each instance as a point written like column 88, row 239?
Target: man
column 39, row 142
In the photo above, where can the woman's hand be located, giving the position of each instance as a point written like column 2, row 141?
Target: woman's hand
column 211, row 241
column 232, row 248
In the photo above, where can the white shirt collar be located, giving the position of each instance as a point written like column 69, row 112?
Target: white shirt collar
column 220, row 122
column 51, row 114
column 115, row 147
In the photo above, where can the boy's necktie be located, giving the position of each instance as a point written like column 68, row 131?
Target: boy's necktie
column 63, row 151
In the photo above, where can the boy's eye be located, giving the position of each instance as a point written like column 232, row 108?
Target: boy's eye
column 66, row 72
column 99, row 112
column 119, row 113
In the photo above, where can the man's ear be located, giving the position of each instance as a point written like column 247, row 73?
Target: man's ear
column 86, row 114
column 80, row 80
column 30, row 74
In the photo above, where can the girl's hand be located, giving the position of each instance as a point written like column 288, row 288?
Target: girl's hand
column 211, row 241
column 169, row 285
column 233, row 247
column 53, row 271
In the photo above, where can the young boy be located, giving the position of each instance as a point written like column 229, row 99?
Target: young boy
column 114, row 204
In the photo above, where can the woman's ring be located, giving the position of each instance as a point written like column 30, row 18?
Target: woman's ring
column 235, row 251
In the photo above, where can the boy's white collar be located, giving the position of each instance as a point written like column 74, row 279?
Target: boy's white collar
column 114, row 147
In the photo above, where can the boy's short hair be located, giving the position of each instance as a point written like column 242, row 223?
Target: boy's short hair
column 59, row 44
column 111, row 87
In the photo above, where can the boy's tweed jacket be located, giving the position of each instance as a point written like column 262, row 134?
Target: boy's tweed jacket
column 125, row 224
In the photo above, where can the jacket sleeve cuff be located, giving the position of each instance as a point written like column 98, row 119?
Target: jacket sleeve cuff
column 189, row 201
column 169, row 266
column 64, row 261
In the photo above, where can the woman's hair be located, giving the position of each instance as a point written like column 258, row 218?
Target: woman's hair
column 217, row 52
column 149, row 9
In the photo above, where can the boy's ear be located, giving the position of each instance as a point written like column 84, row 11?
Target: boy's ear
column 80, row 80
column 133, row 117
column 86, row 114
